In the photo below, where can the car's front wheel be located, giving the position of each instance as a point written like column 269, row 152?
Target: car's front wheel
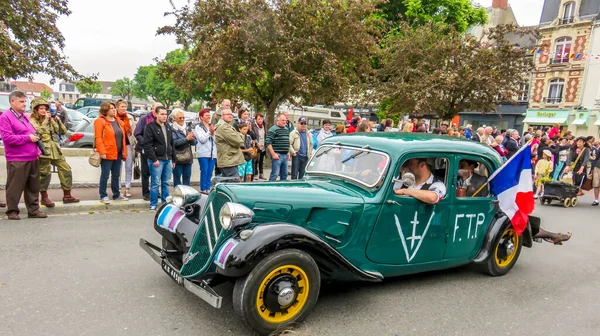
column 504, row 252
column 280, row 290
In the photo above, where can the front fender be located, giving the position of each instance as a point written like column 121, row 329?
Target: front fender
column 269, row 238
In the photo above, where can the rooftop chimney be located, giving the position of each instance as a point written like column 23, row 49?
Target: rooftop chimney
column 500, row 4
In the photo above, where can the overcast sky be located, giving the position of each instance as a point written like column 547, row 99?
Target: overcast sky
column 115, row 37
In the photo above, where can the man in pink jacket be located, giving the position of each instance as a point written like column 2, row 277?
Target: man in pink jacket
column 22, row 165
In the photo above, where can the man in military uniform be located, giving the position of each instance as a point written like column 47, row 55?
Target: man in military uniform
column 426, row 188
column 49, row 128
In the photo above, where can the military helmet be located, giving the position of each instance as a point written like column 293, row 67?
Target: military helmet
column 39, row 101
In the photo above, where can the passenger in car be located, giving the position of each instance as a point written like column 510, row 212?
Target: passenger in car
column 427, row 188
column 470, row 180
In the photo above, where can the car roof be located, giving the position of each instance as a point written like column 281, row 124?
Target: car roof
column 396, row 143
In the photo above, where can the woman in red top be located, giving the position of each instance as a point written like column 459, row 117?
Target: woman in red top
column 555, row 130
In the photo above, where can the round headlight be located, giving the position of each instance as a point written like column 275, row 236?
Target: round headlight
column 184, row 195
column 233, row 214
column 225, row 217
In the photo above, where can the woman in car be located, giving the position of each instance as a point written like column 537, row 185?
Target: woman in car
column 48, row 128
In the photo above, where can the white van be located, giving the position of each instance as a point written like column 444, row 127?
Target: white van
column 316, row 115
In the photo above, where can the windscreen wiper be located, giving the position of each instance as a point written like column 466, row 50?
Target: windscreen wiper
column 338, row 144
column 357, row 154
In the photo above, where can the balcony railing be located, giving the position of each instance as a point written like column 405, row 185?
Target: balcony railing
column 553, row 100
column 559, row 60
column 566, row 20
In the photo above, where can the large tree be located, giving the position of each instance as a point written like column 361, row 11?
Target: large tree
column 190, row 85
column 89, row 86
column 149, row 83
column 30, row 41
column 124, row 88
column 460, row 14
column 425, row 72
column 268, row 51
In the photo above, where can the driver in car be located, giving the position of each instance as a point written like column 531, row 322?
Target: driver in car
column 427, row 188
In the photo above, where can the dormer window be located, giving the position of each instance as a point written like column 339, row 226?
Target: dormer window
column 568, row 13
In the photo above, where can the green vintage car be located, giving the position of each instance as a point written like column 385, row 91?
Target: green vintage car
column 343, row 222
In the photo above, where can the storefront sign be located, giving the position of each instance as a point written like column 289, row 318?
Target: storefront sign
column 545, row 114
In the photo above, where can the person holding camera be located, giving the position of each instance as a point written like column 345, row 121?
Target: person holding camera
column 206, row 149
column 22, row 164
column 49, row 127
column 183, row 140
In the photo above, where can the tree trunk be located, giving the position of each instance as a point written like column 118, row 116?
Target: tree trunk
column 270, row 115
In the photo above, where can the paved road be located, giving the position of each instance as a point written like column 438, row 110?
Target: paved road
column 86, row 275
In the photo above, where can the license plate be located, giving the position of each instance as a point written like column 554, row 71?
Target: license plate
column 172, row 273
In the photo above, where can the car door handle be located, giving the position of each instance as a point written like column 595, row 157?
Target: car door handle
column 391, row 202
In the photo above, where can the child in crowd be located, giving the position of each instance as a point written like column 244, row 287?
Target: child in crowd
column 245, row 169
column 543, row 168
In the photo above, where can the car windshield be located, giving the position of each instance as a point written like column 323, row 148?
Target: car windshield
column 75, row 115
column 85, row 126
column 362, row 165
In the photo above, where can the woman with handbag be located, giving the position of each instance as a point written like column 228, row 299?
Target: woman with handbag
column 109, row 135
column 183, row 140
column 121, row 105
column 577, row 163
column 206, row 149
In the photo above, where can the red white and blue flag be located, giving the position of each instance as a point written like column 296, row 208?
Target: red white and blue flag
column 513, row 185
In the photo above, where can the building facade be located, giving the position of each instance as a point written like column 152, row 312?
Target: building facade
column 591, row 83
column 30, row 88
column 67, row 93
column 507, row 115
column 560, row 66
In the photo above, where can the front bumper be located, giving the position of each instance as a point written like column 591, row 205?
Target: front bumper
column 200, row 289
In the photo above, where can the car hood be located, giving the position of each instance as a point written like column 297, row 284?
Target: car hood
column 295, row 201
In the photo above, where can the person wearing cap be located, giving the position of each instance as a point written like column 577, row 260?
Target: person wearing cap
column 49, row 128
column 543, row 168
column 22, row 164
column 300, row 148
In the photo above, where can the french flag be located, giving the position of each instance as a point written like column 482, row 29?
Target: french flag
column 513, row 185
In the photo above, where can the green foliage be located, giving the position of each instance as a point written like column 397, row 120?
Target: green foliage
column 46, row 94
column 424, row 72
column 194, row 107
column 270, row 51
column 188, row 82
column 30, row 41
column 460, row 14
column 124, row 88
column 149, row 83
column 89, row 86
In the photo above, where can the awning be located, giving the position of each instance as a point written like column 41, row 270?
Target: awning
column 581, row 118
column 546, row 117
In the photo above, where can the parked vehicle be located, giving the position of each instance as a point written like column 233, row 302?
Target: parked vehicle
column 342, row 222
column 5, row 103
column 90, row 111
column 82, row 136
column 316, row 115
column 73, row 118
column 83, row 102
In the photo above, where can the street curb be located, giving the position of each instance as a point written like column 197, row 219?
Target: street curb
column 90, row 206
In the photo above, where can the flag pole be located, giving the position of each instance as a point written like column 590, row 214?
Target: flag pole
column 502, row 167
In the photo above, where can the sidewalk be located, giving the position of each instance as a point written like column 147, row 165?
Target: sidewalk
column 86, row 176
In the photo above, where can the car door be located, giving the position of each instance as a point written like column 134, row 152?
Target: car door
column 407, row 230
column 472, row 213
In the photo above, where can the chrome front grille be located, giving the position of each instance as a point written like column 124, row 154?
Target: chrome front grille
column 207, row 236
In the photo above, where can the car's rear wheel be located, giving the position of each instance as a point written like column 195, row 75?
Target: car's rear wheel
column 505, row 252
column 282, row 289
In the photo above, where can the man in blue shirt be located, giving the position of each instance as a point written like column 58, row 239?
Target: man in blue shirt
column 301, row 147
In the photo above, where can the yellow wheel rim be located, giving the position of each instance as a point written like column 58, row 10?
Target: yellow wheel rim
column 290, row 311
column 511, row 235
